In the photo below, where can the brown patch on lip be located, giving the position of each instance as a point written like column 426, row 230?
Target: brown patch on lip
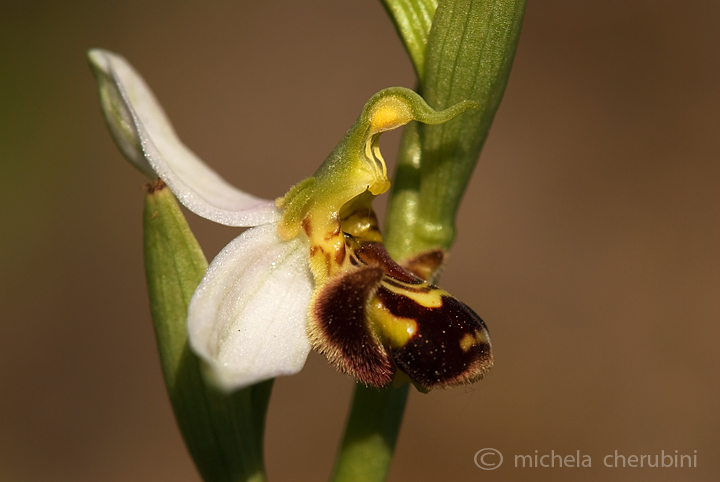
column 328, row 262
column 340, row 255
column 374, row 254
column 339, row 328
column 425, row 265
column 315, row 249
column 307, row 227
column 333, row 234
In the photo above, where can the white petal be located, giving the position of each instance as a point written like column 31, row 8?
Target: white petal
column 146, row 137
column 247, row 317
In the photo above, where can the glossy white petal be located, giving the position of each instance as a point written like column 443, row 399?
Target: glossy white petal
column 247, row 317
column 145, row 136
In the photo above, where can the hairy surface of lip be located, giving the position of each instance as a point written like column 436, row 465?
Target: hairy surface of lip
column 379, row 317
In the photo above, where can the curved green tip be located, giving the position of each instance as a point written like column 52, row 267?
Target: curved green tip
column 396, row 106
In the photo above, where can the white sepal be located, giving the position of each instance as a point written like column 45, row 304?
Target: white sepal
column 117, row 116
column 247, row 318
column 145, row 136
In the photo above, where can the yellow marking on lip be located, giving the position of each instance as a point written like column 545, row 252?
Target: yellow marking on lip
column 395, row 329
column 467, row 342
column 431, row 299
column 482, row 338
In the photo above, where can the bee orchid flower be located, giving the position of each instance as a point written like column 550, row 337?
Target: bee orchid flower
column 312, row 271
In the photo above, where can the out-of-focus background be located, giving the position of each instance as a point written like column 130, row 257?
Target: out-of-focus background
column 588, row 239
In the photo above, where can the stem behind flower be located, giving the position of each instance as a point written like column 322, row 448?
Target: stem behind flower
column 372, row 430
column 470, row 49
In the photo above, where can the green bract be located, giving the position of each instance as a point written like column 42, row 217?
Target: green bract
column 223, row 432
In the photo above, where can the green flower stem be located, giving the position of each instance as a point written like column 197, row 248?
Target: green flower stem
column 372, row 430
column 223, row 432
column 400, row 235
column 466, row 54
column 375, row 418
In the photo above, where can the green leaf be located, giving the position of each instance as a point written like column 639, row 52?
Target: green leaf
column 469, row 55
column 223, row 432
column 470, row 52
column 412, row 19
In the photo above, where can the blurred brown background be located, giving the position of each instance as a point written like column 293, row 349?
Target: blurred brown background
column 588, row 239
